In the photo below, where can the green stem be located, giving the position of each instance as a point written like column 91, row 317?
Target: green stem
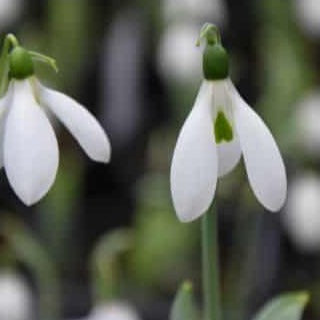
column 9, row 41
column 45, row 59
column 210, row 266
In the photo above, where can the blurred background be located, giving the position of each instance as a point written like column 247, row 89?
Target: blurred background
column 105, row 242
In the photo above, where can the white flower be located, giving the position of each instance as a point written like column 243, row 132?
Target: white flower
column 16, row 298
column 28, row 145
column 195, row 10
column 307, row 120
column 302, row 218
column 177, row 57
column 308, row 14
column 221, row 127
column 114, row 311
column 10, row 10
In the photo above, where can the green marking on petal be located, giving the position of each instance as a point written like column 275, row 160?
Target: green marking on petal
column 222, row 128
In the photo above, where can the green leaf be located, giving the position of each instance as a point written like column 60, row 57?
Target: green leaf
column 106, row 265
column 183, row 306
column 285, row 307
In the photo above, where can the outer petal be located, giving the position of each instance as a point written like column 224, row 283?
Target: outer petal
column 264, row 164
column 228, row 155
column 31, row 153
column 79, row 121
column 5, row 101
column 194, row 164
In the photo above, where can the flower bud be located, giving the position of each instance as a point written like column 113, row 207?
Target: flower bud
column 215, row 62
column 21, row 65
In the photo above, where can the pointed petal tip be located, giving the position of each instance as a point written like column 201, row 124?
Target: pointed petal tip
column 104, row 154
column 186, row 212
column 276, row 207
column 28, row 201
column 30, row 197
column 187, row 217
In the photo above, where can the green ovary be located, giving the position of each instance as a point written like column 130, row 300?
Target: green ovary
column 222, row 128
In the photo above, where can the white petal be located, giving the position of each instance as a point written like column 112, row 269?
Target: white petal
column 31, row 153
column 228, row 155
column 194, row 164
column 79, row 121
column 264, row 164
column 4, row 103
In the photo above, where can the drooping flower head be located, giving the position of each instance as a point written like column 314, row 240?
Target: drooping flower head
column 28, row 146
column 219, row 129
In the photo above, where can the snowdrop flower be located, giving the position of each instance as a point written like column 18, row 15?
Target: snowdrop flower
column 307, row 120
column 10, row 10
column 195, row 10
column 28, row 145
column 308, row 14
column 16, row 298
column 221, row 127
column 114, row 311
column 301, row 217
column 177, row 58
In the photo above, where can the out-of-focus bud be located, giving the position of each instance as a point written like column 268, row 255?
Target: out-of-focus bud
column 16, row 298
column 200, row 10
column 308, row 13
column 178, row 57
column 10, row 10
column 114, row 311
column 308, row 119
column 302, row 214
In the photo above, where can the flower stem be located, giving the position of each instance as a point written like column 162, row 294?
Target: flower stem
column 9, row 41
column 45, row 59
column 210, row 266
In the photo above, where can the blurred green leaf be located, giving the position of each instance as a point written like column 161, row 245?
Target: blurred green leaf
column 183, row 307
column 285, row 307
column 105, row 262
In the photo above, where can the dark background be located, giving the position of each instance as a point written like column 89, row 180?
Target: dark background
column 108, row 233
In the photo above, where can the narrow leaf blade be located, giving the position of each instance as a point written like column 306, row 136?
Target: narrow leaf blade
column 288, row 306
column 183, row 307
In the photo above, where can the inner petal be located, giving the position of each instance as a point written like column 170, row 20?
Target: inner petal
column 224, row 129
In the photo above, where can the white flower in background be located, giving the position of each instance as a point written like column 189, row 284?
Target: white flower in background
column 9, row 11
column 178, row 59
column 302, row 214
column 195, row 9
column 114, row 311
column 16, row 298
column 221, row 127
column 308, row 14
column 29, row 149
column 308, row 119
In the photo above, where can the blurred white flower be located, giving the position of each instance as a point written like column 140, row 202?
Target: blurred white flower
column 9, row 11
column 178, row 57
column 29, row 148
column 201, row 10
column 308, row 119
column 114, row 311
column 15, row 298
column 220, row 127
column 308, row 13
column 302, row 214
